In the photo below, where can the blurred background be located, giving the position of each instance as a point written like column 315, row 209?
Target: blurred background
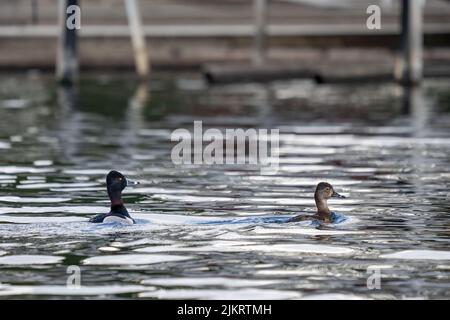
column 188, row 34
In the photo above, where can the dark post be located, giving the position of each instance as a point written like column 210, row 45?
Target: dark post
column 67, row 64
column 34, row 12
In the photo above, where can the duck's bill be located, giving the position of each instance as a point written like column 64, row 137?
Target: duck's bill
column 131, row 182
column 337, row 195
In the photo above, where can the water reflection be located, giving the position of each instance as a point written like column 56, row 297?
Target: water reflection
column 69, row 122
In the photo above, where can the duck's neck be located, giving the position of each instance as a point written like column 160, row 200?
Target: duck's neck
column 322, row 208
column 116, row 202
column 117, row 205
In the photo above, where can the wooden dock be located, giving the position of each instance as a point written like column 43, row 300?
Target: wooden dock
column 181, row 33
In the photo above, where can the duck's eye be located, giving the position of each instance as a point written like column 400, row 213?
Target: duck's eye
column 120, row 179
column 328, row 189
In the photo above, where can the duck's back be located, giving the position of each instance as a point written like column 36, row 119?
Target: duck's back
column 112, row 218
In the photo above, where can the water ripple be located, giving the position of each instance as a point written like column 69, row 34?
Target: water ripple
column 132, row 259
column 29, row 260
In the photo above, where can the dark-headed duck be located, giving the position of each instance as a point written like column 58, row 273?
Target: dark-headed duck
column 115, row 183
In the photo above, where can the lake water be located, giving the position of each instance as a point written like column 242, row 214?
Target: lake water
column 202, row 230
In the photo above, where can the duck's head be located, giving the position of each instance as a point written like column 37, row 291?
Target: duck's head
column 116, row 182
column 325, row 191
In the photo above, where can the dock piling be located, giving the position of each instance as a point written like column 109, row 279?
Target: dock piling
column 410, row 69
column 260, row 12
column 67, row 62
column 137, row 38
column 34, row 12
